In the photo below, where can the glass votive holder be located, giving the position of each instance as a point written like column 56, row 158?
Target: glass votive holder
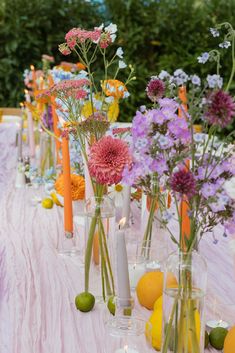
column 154, row 255
column 219, row 314
column 125, row 334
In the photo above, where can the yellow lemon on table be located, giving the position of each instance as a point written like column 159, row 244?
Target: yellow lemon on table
column 47, row 203
column 150, row 287
column 158, row 303
column 229, row 342
column 153, row 329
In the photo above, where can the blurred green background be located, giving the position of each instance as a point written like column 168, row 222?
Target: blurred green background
column 155, row 35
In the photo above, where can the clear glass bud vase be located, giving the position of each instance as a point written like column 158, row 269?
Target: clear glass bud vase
column 185, row 280
column 99, row 246
column 47, row 152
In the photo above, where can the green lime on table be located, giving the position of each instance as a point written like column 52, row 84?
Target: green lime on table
column 206, row 339
column 85, row 301
column 47, row 203
column 111, row 305
column 217, row 337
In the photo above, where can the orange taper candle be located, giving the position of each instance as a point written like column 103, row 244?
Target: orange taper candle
column 34, row 78
column 184, row 208
column 55, row 123
column 68, row 207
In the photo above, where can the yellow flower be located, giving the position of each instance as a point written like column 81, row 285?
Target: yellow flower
column 87, row 109
column 113, row 111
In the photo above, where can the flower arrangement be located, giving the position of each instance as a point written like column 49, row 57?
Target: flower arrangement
column 86, row 105
column 195, row 168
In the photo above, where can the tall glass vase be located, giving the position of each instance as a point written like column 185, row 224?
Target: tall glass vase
column 47, row 152
column 99, row 247
column 183, row 304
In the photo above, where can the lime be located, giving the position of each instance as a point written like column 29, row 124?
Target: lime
column 85, row 301
column 47, row 203
column 111, row 305
column 217, row 337
column 206, row 339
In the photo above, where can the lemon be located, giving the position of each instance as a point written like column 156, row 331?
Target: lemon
column 217, row 337
column 158, row 303
column 85, row 301
column 111, row 305
column 153, row 329
column 55, row 199
column 47, row 203
column 229, row 342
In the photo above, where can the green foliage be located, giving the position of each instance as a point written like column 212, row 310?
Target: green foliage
column 155, row 35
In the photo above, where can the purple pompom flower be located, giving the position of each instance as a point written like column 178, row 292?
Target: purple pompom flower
column 220, row 108
column 183, row 182
column 155, row 89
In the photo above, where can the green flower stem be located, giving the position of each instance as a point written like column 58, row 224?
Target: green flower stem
column 107, row 256
column 148, row 231
column 169, row 328
column 233, row 65
column 89, row 247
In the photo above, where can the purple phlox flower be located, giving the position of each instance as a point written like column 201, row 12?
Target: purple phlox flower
column 195, row 80
column 168, row 103
column 159, row 166
column 214, row 81
column 203, row 58
column 140, row 125
column 225, row 45
column 165, row 142
column 209, row 190
column 179, row 128
column 158, row 116
column 214, row 32
column 167, row 216
column 141, row 144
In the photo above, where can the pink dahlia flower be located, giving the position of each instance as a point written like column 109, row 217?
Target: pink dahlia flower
column 220, row 108
column 155, row 89
column 107, row 159
column 183, row 182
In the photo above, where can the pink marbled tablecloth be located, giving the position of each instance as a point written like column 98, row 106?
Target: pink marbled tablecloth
column 38, row 287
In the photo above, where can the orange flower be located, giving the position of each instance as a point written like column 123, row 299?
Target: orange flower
column 77, row 186
column 67, row 66
column 114, row 88
column 80, row 66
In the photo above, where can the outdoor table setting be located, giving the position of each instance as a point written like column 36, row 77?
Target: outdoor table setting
column 118, row 237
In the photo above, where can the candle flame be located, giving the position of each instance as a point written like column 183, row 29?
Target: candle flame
column 26, row 91
column 41, row 78
column 21, row 104
column 32, row 68
column 122, row 223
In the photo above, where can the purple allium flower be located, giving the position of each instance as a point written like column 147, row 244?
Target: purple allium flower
column 47, row 118
column 220, row 108
column 183, row 182
column 203, row 58
column 155, row 89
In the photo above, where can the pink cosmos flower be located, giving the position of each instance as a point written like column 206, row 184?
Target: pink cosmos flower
column 155, row 89
column 183, row 182
column 107, row 159
column 220, row 108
